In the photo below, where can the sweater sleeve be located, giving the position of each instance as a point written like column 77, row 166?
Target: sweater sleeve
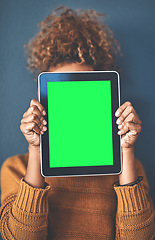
column 135, row 210
column 24, row 209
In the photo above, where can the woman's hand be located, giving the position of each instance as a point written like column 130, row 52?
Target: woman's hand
column 129, row 125
column 33, row 123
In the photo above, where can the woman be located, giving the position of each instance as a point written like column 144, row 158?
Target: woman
column 86, row 207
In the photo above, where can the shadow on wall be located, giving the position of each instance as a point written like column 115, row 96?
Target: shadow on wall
column 143, row 150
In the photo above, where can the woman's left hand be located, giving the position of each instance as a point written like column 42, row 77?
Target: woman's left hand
column 129, row 125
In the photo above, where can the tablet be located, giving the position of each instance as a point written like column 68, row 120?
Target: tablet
column 81, row 137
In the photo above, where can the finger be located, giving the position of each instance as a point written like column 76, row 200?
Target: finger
column 129, row 109
column 31, row 126
column 34, row 118
column 135, row 128
column 122, row 108
column 132, row 117
column 38, row 104
column 33, row 110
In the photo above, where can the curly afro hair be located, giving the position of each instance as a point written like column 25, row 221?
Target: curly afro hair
column 72, row 37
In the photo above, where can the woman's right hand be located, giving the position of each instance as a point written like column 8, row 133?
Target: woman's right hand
column 33, row 123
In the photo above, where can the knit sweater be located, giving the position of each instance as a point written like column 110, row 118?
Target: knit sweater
column 83, row 207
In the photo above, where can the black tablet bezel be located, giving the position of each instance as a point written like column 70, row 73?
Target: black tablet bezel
column 113, row 76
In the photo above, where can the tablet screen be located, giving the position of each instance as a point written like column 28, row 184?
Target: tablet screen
column 80, row 123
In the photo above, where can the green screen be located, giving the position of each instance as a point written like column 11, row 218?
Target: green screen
column 79, row 123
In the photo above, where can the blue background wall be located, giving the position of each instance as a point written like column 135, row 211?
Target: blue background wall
column 133, row 24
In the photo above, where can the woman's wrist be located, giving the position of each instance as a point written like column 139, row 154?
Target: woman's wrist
column 129, row 172
column 33, row 148
column 33, row 174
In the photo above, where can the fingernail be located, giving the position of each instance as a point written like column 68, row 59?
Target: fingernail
column 118, row 121
column 44, row 128
column 44, row 122
column 119, row 132
column 42, row 132
column 119, row 126
column 44, row 113
column 116, row 113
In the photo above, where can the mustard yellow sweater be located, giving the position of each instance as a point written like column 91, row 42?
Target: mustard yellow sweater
column 87, row 207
